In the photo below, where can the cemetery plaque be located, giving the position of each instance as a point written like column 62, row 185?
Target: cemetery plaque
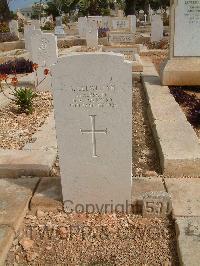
column 93, row 110
column 117, row 38
column 119, row 24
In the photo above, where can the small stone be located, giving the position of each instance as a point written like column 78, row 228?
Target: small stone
column 26, row 243
column 40, row 213
column 150, row 173
column 31, row 256
column 63, row 232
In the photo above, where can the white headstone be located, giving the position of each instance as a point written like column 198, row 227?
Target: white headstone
column 82, row 25
column 59, row 28
column 145, row 18
column 92, row 34
column 187, row 28
column 13, row 26
column 93, row 112
column 156, row 28
column 28, row 30
column 45, row 54
column 132, row 23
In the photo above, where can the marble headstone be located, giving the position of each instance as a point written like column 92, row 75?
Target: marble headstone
column 13, row 26
column 93, row 113
column 28, row 30
column 36, row 23
column 45, row 54
column 183, row 66
column 156, row 28
column 59, row 29
column 132, row 19
column 92, row 34
column 82, row 25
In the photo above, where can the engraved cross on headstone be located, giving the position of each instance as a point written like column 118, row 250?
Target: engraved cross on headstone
column 93, row 131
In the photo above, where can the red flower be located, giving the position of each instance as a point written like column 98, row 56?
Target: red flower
column 35, row 66
column 14, row 81
column 3, row 77
column 46, row 71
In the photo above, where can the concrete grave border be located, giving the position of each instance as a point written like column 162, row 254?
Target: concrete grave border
column 177, row 143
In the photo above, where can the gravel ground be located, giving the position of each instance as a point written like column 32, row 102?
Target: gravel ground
column 79, row 239
column 17, row 129
column 145, row 158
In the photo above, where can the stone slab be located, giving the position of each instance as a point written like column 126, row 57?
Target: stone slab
column 177, row 143
column 142, row 185
column 16, row 163
column 8, row 46
column 185, row 194
column 156, row 204
column 15, row 195
column 6, row 237
column 188, row 240
column 48, row 195
column 45, row 137
column 181, row 72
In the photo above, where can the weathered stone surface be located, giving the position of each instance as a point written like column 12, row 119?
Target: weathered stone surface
column 8, row 46
column 181, row 72
column 156, row 204
column 48, row 196
column 45, row 137
column 6, row 237
column 141, row 185
column 15, row 195
column 16, row 163
column 185, row 194
column 188, row 240
column 94, row 124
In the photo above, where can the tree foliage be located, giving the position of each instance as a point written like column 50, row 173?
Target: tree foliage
column 5, row 13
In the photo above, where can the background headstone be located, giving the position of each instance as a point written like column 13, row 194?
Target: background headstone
column 92, row 34
column 183, row 66
column 28, row 30
column 132, row 23
column 93, row 111
column 13, row 26
column 82, row 25
column 45, row 54
column 156, row 28
column 59, row 29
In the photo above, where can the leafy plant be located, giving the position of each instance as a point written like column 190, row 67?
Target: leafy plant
column 8, row 37
column 48, row 26
column 24, row 99
column 4, row 27
column 18, row 66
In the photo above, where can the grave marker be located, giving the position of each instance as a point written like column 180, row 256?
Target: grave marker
column 118, row 38
column 93, row 111
column 13, row 26
column 92, row 34
column 120, row 24
column 183, row 66
column 156, row 28
column 59, row 29
column 45, row 54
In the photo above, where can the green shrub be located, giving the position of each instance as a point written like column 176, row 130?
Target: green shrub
column 23, row 97
column 48, row 26
column 4, row 27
